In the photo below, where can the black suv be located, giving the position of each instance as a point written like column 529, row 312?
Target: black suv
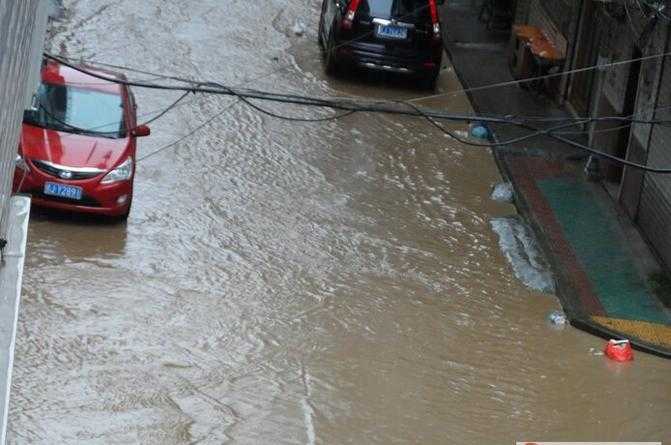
column 401, row 36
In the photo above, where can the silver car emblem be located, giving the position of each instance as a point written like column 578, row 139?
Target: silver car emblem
column 65, row 174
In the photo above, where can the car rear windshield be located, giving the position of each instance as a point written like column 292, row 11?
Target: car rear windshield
column 398, row 9
column 78, row 110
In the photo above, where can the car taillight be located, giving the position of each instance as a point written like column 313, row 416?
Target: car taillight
column 352, row 8
column 435, row 19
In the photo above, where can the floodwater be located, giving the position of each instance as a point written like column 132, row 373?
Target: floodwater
column 296, row 283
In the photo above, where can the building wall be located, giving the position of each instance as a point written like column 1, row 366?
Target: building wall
column 617, row 36
column 646, row 197
column 615, row 44
column 17, row 27
column 647, row 101
column 654, row 212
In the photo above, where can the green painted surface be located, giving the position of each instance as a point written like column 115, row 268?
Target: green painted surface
column 589, row 228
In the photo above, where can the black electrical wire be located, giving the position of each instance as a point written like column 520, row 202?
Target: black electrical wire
column 345, row 105
column 516, row 140
column 432, row 121
column 528, row 118
column 93, row 131
column 416, row 111
column 161, row 112
column 190, row 133
column 539, row 132
column 604, row 155
column 550, row 132
column 508, row 116
column 340, row 45
column 283, row 117
column 283, row 98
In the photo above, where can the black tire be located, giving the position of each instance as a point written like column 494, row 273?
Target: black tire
column 428, row 81
column 121, row 219
column 331, row 64
column 320, row 33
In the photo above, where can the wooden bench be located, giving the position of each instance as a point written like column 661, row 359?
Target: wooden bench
column 533, row 53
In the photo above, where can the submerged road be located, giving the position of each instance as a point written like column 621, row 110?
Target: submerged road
column 295, row 283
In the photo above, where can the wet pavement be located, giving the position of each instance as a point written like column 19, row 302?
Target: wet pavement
column 296, row 283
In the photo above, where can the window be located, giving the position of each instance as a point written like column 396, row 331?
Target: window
column 395, row 8
column 78, row 110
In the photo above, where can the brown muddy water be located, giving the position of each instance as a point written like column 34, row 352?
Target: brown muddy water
column 296, row 283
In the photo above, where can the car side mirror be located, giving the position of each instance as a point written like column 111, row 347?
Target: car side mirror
column 30, row 115
column 141, row 131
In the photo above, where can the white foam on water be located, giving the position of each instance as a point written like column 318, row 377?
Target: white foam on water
column 522, row 252
column 503, row 192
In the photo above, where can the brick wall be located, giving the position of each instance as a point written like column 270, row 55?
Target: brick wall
column 17, row 24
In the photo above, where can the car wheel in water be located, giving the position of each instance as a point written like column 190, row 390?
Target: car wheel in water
column 429, row 81
column 331, row 63
column 124, row 216
column 320, row 33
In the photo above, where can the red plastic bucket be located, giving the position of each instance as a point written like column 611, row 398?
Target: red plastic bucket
column 619, row 351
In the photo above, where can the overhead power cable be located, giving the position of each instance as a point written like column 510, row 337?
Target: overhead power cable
column 551, row 132
column 341, row 105
column 95, row 131
column 604, row 155
column 416, row 112
column 387, row 107
column 192, row 132
column 189, row 81
column 390, row 107
column 543, row 77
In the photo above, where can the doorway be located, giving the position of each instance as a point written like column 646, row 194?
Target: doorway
column 582, row 84
column 615, row 172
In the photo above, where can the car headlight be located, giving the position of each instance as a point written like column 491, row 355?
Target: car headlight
column 21, row 163
column 122, row 173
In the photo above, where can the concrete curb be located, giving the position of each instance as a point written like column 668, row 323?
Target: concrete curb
column 11, row 274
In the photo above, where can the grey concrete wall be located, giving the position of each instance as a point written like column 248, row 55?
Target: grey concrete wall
column 17, row 24
column 22, row 28
column 654, row 213
column 647, row 100
column 10, row 296
column 646, row 197
column 618, row 45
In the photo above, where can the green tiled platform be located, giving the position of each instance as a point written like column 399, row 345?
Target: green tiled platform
column 589, row 229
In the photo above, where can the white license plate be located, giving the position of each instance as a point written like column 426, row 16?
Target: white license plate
column 391, row 32
column 63, row 191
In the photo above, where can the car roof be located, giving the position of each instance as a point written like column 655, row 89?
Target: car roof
column 55, row 73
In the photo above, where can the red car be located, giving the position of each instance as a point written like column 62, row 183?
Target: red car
column 77, row 150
